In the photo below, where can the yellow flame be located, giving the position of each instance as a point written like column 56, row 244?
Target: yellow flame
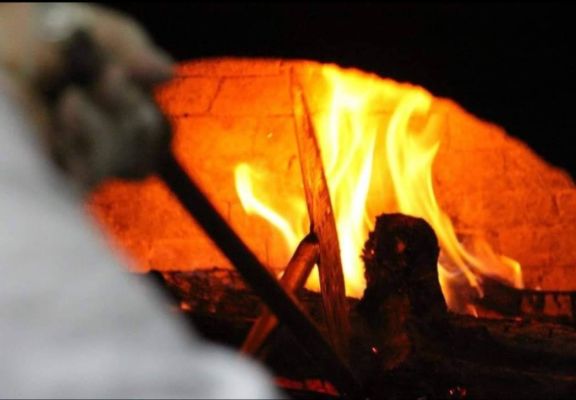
column 347, row 140
column 378, row 141
column 252, row 205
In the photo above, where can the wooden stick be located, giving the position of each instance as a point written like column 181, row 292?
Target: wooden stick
column 295, row 275
column 258, row 277
column 323, row 224
column 544, row 305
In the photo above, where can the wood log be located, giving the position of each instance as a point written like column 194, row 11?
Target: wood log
column 487, row 359
column 403, row 306
column 258, row 277
column 543, row 305
column 322, row 221
column 416, row 349
column 295, row 275
column 480, row 358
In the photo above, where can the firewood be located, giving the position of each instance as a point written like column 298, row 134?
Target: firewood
column 542, row 305
column 297, row 271
column 489, row 359
column 258, row 277
column 408, row 346
column 401, row 255
column 403, row 307
column 322, row 222
column 480, row 358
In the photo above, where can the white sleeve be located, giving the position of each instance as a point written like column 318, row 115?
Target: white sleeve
column 73, row 323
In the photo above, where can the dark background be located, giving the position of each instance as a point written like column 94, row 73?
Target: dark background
column 510, row 63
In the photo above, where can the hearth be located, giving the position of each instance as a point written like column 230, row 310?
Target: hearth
column 408, row 163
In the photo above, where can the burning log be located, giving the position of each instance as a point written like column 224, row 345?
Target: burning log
column 222, row 307
column 408, row 345
column 297, row 271
column 404, row 342
column 402, row 308
column 541, row 305
column 401, row 257
column 322, row 223
column 481, row 358
column 258, row 277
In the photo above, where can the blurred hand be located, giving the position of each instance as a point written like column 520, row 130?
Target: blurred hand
column 88, row 74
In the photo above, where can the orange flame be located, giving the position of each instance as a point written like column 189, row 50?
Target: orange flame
column 378, row 141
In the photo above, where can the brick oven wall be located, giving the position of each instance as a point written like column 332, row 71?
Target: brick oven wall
column 227, row 111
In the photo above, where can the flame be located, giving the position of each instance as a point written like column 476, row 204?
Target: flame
column 244, row 176
column 378, row 141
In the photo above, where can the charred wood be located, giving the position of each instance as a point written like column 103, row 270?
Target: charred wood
column 416, row 349
column 322, row 222
column 294, row 277
column 540, row 305
column 258, row 277
column 480, row 358
column 402, row 306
